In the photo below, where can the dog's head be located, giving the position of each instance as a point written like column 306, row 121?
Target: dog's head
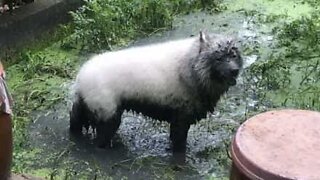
column 219, row 58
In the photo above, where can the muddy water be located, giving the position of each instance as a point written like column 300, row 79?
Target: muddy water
column 140, row 148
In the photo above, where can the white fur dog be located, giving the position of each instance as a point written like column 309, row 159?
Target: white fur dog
column 177, row 81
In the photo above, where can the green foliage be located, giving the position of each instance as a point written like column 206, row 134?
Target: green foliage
column 39, row 64
column 102, row 24
column 186, row 6
column 292, row 72
column 151, row 15
column 36, row 83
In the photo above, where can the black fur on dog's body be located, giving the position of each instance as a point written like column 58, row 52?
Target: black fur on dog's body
column 202, row 73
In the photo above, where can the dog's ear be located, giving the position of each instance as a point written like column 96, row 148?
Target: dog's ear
column 231, row 42
column 203, row 38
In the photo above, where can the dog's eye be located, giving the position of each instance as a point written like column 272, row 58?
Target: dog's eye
column 233, row 54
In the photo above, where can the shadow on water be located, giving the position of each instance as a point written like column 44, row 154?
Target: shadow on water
column 140, row 149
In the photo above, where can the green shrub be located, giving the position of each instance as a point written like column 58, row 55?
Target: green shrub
column 292, row 72
column 102, row 24
column 186, row 6
column 150, row 15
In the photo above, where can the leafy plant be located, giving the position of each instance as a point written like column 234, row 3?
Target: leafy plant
column 292, row 72
column 37, row 64
column 102, row 24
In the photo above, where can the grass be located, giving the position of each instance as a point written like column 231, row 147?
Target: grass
column 36, row 83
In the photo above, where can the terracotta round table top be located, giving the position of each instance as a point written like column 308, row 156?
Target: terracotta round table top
column 282, row 144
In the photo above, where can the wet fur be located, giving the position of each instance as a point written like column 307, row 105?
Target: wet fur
column 177, row 81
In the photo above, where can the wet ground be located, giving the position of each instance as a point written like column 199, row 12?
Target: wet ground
column 140, row 149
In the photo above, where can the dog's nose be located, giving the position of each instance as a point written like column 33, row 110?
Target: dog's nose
column 234, row 72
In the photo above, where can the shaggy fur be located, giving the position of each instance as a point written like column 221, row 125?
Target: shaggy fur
column 177, row 81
